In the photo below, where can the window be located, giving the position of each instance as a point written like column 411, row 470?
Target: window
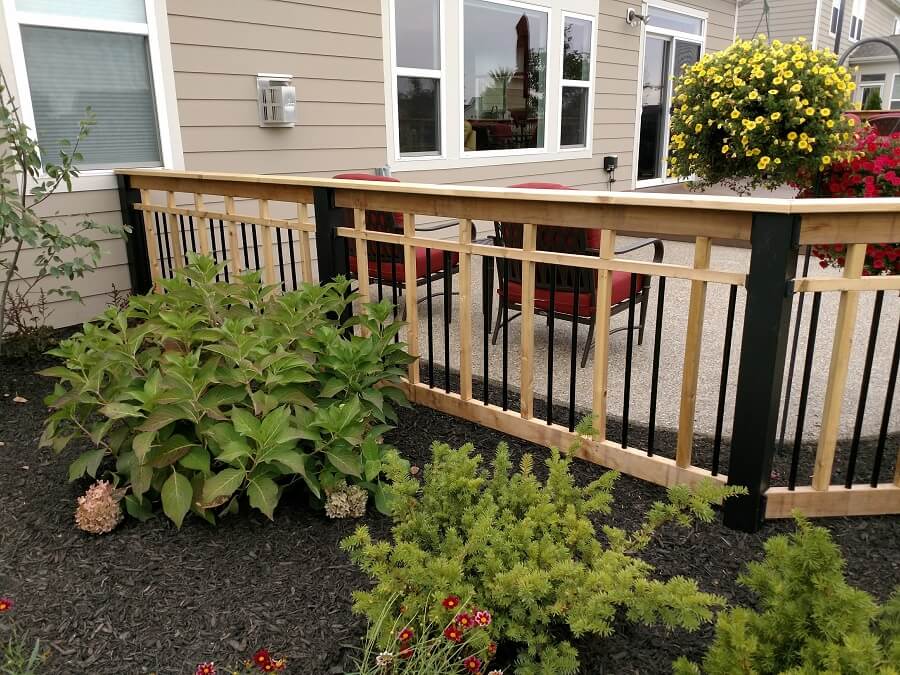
column 93, row 53
column 895, row 93
column 577, row 68
column 417, row 45
column 504, row 76
column 896, row 30
column 835, row 16
column 871, row 91
column 856, row 21
column 672, row 41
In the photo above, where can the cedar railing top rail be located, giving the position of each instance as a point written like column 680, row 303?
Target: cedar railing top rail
column 844, row 220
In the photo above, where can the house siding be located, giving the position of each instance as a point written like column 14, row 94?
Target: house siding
column 788, row 19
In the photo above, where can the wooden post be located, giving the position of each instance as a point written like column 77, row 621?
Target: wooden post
column 690, row 373
column 175, row 230
column 526, row 394
column 601, row 334
column 362, row 255
column 837, row 371
column 202, row 224
column 773, row 265
column 410, row 286
column 305, row 250
column 465, row 312
column 152, row 242
column 268, row 259
column 234, row 256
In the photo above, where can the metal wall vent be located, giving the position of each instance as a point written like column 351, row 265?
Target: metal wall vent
column 277, row 100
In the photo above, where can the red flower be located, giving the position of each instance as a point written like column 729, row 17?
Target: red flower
column 483, row 617
column 262, row 657
column 492, row 648
column 464, row 620
column 451, row 602
column 208, row 668
column 453, row 633
column 405, row 635
column 406, row 653
column 472, row 664
column 6, row 604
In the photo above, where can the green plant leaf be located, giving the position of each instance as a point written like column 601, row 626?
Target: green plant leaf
column 294, row 460
column 138, row 508
column 87, row 462
column 141, row 478
column 163, row 416
column 142, row 444
column 345, row 460
column 223, row 484
column 172, row 449
column 197, row 459
column 245, row 423
column 115, row 411
column 332, row 387
column 176, row 496
column 263, row 494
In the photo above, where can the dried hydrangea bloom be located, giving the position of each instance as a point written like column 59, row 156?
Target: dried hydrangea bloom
column 348, row 501
column 98, row 510
column 384, row 659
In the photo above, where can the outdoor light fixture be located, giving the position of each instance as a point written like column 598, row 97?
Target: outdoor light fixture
column 277, row 100
column 632, row 17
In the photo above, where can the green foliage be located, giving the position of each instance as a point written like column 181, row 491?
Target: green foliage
column 809, row 620
column 19, row 656
column 210, row 390
column 527, row 550
column 418, row 645
column 26, row 181
column 872, row 100
column 760, row 114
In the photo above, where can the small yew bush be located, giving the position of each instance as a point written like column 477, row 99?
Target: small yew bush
column 210, row 391
column 528, row 550
column 759, row 114
column 809, row 619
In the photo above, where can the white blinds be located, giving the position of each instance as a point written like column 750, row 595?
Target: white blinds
column 111, row 10
column 69, row 70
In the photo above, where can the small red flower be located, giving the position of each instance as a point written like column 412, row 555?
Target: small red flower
column 483, row 617
column 208, row 668
column 451, row 602
column 472, row 664
column 492, row 648
column 262, row 657
column 406, row 653
column 405, row 635
column 464, row 620
column 453, row 633
column 6, row 604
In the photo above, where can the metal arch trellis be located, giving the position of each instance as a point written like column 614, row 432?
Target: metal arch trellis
column 879, row 40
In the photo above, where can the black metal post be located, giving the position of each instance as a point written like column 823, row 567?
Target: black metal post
column 330, row 248
column 136, row 240
column 774, row 241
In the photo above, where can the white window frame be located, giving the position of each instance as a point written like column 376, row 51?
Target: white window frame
column 858, row 14
column 700, row 39
column 583, row 84
column 439, row 74
column 833, row 17
column 155, row 29
column 453, row 154
column 871, row 84
column 895, row 92
column 896, row 25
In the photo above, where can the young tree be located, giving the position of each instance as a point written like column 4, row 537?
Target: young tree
column 26, row 181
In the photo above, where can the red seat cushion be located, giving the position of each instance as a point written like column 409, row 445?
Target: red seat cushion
column 593, row 234
column 565, row 300
column 388, row 268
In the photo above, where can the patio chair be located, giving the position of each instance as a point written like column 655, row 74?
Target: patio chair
column 386, row 260
column 568, row 240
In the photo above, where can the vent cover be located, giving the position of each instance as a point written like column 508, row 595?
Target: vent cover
column 277, row 100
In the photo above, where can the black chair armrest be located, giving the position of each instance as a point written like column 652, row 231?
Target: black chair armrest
column 439, row 226
column 658, row 248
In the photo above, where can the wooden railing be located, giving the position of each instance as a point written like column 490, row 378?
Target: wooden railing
column 266, row 218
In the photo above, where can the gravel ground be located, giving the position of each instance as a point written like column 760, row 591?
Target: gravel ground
column 151, row 599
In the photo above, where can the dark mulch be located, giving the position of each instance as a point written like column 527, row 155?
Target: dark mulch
column 149, row 598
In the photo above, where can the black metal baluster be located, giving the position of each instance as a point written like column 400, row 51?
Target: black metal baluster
column 487, row 282
column 448, row 299
column 224, row 248
column 790, row 377
column 723, row 381
column 804, row 389
column 244, row 242
column 163, row 264
column 886, row 416
column 629, row 350
column 864, row 389
column 430, row 318
column 255, row 245
column 184, row 245
column 378, row 276
column 212, row 241
column 573, row 357
column 505, row 393
column 394, row 298
column 193, row 237
column 280, row 260
column 654, row 377
column 551, row 325
column 290, row 236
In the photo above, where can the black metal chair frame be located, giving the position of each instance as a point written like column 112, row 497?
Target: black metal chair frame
column 565, row 240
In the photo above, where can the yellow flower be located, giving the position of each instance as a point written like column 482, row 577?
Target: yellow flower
column 777, row 80
column 753, row 95
column 826, row 160
column 825, row 112
column 725, row 149
column 792, row 135
column 810, row 111
column 830, row 124
column 735, row 114
column 795, row 87
column 697, row 128
column 773, row 91
column 763, row 162
column 851, row 122
column 776, row 116
column 803, row 144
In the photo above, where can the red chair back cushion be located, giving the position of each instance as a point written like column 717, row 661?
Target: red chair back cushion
column 593, row 235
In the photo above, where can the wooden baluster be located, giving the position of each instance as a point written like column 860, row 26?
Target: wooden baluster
column 690, row 373
column 601, row 334
column 410, row 287
column 235, row 253
column 153, row 251
column 837, row 371
column 202, row 224
column 268, row 259
column 175, row 230
column 305, row 251
column 465, row 311
column 526, row 395
column 362, row 260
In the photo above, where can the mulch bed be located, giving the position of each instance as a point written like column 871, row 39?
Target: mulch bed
column 151, row 599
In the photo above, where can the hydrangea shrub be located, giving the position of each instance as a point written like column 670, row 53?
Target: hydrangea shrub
column 210, row 391
column 528, row 550
column 760, row 114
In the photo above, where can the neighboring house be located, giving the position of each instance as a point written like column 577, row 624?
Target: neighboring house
column 484, row 92
column 817, row 20
column 878, row 71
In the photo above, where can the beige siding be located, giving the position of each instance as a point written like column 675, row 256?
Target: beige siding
column 788, row 19
column 879, row 19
